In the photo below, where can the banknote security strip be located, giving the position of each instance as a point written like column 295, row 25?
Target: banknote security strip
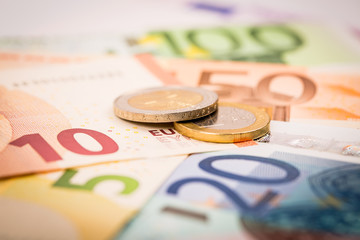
column 321, row 138
column 314, row 143
column 264, row 139
column 351, row 150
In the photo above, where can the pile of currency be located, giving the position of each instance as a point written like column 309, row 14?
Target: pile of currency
column 234, row 129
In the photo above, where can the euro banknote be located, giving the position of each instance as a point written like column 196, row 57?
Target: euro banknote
column 62, row 116
column 255, row 192
column 290, row 43
column 80, row 203
column 286, row 92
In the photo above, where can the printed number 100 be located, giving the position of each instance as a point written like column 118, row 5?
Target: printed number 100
column 67, row 140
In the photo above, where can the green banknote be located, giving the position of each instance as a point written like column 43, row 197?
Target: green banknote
column 290, row 43
column 293, row 43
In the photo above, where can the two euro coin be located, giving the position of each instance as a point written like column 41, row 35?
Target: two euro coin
column 166, row 104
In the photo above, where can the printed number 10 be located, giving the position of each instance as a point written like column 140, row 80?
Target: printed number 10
column 67, row 140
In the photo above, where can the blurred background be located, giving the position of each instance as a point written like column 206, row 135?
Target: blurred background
column 50, row 17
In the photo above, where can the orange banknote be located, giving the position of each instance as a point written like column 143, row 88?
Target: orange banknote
column 286, row 92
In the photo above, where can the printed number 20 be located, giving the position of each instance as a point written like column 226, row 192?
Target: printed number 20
column 291, row 174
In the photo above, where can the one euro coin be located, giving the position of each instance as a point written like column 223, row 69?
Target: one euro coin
column 232, row 122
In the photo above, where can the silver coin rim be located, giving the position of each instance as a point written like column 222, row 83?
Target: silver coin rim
column 208, row 105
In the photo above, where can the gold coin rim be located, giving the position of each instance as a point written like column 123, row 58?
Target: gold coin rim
column 259, row 128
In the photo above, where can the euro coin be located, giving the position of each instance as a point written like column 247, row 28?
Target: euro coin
column 232, row 122
column 166, row 104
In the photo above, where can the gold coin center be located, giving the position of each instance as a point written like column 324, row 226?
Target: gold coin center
column 165, row 100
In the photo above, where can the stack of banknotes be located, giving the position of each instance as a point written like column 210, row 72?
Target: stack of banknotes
column 71, row 169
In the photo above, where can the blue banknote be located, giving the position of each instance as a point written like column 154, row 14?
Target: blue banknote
column 257, row 192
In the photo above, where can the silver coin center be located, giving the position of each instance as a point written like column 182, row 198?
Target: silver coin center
column 227, row 118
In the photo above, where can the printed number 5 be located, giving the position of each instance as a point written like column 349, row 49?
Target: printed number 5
column 130, row 184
